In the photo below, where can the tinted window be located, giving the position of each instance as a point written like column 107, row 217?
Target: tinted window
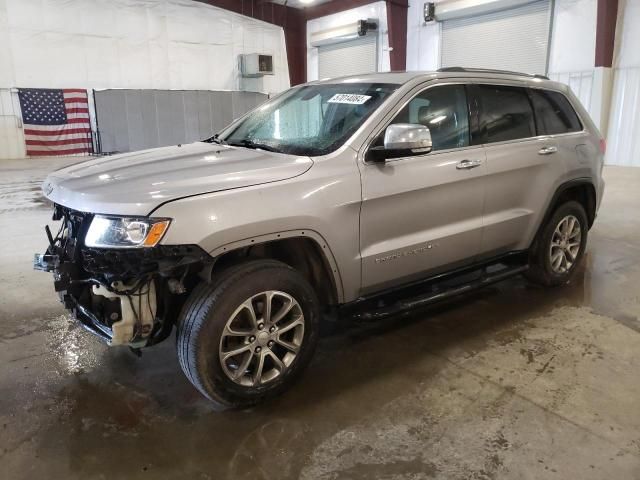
column 554, row 113
column 444, row 111
column 505, row 113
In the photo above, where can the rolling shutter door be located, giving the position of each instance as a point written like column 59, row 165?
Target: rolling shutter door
column 348, row 58
column 514, row 39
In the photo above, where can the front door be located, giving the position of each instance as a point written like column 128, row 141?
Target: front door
column 422, row 214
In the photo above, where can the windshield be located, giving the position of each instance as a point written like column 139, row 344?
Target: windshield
column 310, row 120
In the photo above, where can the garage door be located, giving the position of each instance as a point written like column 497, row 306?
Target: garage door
column 514, row 39
column 348, row 58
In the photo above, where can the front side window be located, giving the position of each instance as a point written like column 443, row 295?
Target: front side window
column 504, row 113
column 444, row 111
column 554, row 113
column 309, row 120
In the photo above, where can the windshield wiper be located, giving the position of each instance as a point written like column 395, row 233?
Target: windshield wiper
column 215, row 139
column 255, row 145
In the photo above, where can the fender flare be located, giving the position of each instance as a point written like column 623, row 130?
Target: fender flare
column 323, row 245
column 563, row 187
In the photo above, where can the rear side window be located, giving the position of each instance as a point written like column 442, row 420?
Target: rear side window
column 504, row 113
column 554, row 113
column 443, row 109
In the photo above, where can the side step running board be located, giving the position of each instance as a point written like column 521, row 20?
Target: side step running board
column 438, row 291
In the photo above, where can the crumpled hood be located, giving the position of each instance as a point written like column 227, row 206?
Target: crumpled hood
column 136, row 183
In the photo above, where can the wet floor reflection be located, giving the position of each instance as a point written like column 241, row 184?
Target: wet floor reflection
column 508, row 382
column 153, row 420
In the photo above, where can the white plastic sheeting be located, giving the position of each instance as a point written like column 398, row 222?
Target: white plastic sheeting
column 580, row 82
column 623, row 141
column 573, row 37
column 572, row 52
column 11, row 137
column 376, row 11
column 144, row 44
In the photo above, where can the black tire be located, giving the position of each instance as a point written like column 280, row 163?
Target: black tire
column 540, row 268
column 206, row 312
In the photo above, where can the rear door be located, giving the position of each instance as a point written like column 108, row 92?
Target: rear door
column 523, row 166
column 556, row 117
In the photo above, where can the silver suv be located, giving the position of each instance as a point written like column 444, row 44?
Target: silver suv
column 352, row 197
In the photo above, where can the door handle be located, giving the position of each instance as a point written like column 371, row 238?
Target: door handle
column 468, row 164
column 547, row 150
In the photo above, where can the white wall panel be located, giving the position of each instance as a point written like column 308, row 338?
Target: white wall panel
column 573, row 39
column 627, row 51
column 11, row 137
column 623, row 146
column 377, row 11
column 623, row 141
column 572, row 50
column 580, row 82
column 423, row 40
column 161, row 44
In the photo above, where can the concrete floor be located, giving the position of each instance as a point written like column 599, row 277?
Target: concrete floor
column 511, row 382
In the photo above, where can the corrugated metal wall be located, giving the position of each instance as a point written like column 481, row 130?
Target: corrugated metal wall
column 131, row 120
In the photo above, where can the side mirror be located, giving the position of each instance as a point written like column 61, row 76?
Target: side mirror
column 402, row 139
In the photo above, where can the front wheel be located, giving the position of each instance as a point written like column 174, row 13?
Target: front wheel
column 560, row 246
column 248, row 336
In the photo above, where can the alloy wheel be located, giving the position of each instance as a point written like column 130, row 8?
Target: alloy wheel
column 262, row 338
column 565, row 244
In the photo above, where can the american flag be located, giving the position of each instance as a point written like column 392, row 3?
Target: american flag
column 56, row 122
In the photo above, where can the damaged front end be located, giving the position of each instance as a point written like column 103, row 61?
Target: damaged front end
column 125, row 296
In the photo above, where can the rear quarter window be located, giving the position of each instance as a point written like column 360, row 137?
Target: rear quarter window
column 554, row 113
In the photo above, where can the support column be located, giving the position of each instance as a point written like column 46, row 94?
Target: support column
column 397, row 24
column 607, row 14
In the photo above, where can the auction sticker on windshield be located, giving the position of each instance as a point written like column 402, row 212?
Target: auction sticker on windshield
column 350, row 98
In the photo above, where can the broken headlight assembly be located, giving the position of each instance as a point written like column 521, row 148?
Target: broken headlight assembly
column 125, row 232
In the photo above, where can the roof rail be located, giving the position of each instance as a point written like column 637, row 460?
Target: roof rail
column 490, row 70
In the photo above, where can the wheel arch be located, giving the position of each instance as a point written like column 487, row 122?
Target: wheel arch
column 581, row 190
column 305, row 250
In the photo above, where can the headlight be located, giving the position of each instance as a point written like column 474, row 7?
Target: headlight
column 121, row 232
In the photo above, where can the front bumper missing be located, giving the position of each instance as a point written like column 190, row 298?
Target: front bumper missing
column 51, row 263
column 122, row 296
column 45, row 262
column 130, row 326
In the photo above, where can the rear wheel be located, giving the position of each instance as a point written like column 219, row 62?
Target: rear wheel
column 560, row 246
column 248, row 336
